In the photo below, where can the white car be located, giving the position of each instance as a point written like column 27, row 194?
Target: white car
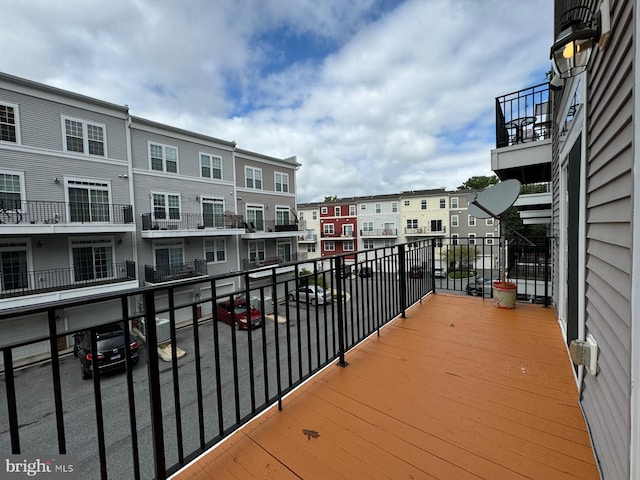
column 312, row 294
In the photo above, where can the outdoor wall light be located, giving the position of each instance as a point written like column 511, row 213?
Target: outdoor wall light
column 571, row 51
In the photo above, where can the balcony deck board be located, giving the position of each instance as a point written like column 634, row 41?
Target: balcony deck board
column 458, row 390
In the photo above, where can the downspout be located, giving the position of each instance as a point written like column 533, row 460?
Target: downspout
column 134, row 240
column 235, row 199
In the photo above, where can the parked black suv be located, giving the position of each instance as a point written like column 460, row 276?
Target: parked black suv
column 111, row 348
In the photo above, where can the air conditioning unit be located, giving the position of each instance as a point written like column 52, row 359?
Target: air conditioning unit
column 163, row 330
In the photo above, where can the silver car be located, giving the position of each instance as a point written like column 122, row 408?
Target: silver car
column 312, row 294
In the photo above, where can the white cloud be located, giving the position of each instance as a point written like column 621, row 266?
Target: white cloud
column 403, row 102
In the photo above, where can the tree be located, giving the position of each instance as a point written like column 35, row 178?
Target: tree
column 330, row 198
column 479, row 183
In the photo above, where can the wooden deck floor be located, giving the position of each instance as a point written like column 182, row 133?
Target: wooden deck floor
column 457, row 390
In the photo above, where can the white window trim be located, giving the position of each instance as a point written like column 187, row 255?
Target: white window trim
column 260, row 247
column 441, row 201
column 451, row 202
column 324, row 229
column 166, row 194
column 211, row 157
column 330, row 243
column 224, row 243
column 167, row 244
column 85, row 136
column 347, row 244
column 87, row 183
column 16, row 111
column 164, row 157
column 93, row 240
column 246, row 178
column 337, row 211
column 287, row 210
column 275, row 182
column 20, row 175
column 471, row 221
column 394, row 207
column 324, row 210
column 455, row 221
column 489, row 239
column 489, row 222
column 472, row 238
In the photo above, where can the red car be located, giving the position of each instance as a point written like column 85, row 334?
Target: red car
column 239, row 314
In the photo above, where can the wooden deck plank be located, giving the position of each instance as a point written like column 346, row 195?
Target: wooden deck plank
column 458, row 390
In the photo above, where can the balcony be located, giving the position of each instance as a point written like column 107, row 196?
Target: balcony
column 337, row 235
column 308, row 238
column 523, row 135
column 191, row 225
column 425, row 231
column 534, row 203
column 380, row 232
column 38, row 282
column 451, row 387
column 177, row 271
column 269, row 229
column 248, row 264
column 37, row 217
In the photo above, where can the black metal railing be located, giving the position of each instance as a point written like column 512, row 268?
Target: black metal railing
column 33, row 212
column 379, row 232
column 192, row 221
column 19, row 283
column 441, row 230
column 270, row 226
column 249, row 264
column 523, row 116
column 176, row 271
column 532, row 188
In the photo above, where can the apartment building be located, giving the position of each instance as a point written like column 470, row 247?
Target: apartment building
column 424, row 214
column 378, row 220
column 308, row 238
column 339, row 228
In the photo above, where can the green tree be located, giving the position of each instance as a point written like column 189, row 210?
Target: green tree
column 460, row 256
column 330, row 198
column 479, row 182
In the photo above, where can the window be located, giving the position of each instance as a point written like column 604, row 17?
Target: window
column 454, row 239
column 368, row 244
column 352, row 210
column 367, row 226
column 255, row 217
column 330, row 246
column 13, row 266
column 472, row 221
column 163, row 158
column 389, row 242
column 282, row 182
column 347, row 230
column 210, row 166
column 9, row 131
column 407, row 203
column 166, row 206
column 472, row 239
column 323, row 210
column 88, row 201
column 489, row 222
column 443, row 203
column 436, row 225
column 378, row 208
column 328, row 228
column 10, row 191
column 394, row 207
column 314, row 215
column 423, row 204
column 348, row 245
column 454, row 202
column 412, row 223
column 311, row 247
column 454, row 220
column 253, row 178
column 215, row 250
column 336, row 211
column 169, row 258
column 256, row 250
column 282, row 216
column 302, row 216
column 92, row 259
column 84, row 137
column 283, row 249
column 363, row 207
column 213, row 212
column 489, row 239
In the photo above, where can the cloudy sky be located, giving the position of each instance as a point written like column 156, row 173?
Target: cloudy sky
column 372, row 96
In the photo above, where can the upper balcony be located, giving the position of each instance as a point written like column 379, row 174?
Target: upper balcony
column 192, row 225
column 177, row 271
column 534, row 203
column 265, row 229
column 379, row 232
column 308, row 238
column 523, row 135
column 30, row 217
column 438, row 231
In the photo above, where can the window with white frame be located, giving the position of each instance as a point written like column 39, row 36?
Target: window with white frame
column 330, row 246
column 163, row 158
column 348, row 245
column 352, row 210
column 443, row 203
column 454, row 220
column 213, row 212
column 255, row 217
column 166, row 206
column 454, row 239
column 9, row 123
column 84, row 137
column 436, row 225
column 489, row 222
column 336, row 211
column 394, row 207
column 169, row 258
column 14, row 269
column 454, row 202
column 210, row 166
column 88, row 201
column 323, row 210
column 283, row 250
column 282, row 216
column 489, row 239
column 389, row 242
column 314, row 215
column 215, row 250
column 368, row 243
column 412, row 223
column 347, row 230
column 92, row 259
column 472, row 221
column 301, row 214
column 472, row 239
column 253, row 178
column 282, row 182
column 423, row 204
column 311, row 247
column 328, row 229
column 378, row 207
column 363, row 206
column 257, row 250
column 11, row 187
column 367, row 226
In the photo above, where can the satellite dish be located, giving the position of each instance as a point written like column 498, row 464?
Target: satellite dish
column 494, row 200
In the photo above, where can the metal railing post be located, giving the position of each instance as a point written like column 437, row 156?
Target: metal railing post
column 340, row 305
column 547, row 247
column 433, row 266
column 402, row 272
